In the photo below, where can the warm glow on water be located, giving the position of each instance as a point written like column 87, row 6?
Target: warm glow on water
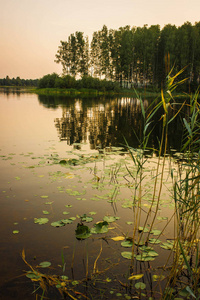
column 35, row 136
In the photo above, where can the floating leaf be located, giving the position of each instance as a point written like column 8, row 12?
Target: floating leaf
column 127, row 254
column 49, row 203
column 92, row 213
column 144, row 229
column 167, row 246
column 162, row 218
column 82, row 232
column 45, row 264
column 67, row 221
column 57, row 224
column 129, row 223
column 140, row 285
column 127, row 244
column 65, row 212
column 44, row 197
column 118, row 238
column 110, row 219
column 136, row 277
column 45, row 212
column 84, row 218
column 144, row 257
column 156, row 232
column 41, row 221
column 100, row 227
column 154, row 241
column 17, row 178
column 15, row 231
column 68, row 205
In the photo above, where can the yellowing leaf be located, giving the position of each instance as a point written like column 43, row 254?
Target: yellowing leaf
column 136, row 277
column 117, row 238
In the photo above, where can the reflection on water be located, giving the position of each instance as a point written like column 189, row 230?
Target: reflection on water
column 30, row 150
column 106, row 122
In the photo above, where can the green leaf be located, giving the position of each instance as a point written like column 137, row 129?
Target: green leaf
column 82, row 232
column 140, row 285
column 67, row 221
column 144, row 257
column 155, row 232
column 33, row 275
column 144, row 229
column 167, row 246
column 41, row 221
column 110, row 219
column 100, row 227
column 154, row 241
column 15, row 231
column 45, row 264
column 45, row 212
column 127, row 254
column 57, row 224
column 44, row 197
column 127, row 244
column 75, row 282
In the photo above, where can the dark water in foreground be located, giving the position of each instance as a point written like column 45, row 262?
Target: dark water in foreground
column 36, row 134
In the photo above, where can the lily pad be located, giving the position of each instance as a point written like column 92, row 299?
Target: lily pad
column 57, row 224
column 156, row 232
column 127, row 244
column 110, row 219
column 100, row 227
column 67, row 221
column 127, row 254
column 144, row 257
column 154, row 241
column 41, row 221
column 140, row 285
column 82, row 232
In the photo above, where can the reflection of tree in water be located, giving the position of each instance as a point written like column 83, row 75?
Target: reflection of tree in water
column 101, row 123
column 105, row 122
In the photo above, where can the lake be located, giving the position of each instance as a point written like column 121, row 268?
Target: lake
column 65, row 167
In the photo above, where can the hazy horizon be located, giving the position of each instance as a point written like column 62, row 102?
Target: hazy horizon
column 31, row 30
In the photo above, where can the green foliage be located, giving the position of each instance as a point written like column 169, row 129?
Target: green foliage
column 134, row 56
column 18, row 82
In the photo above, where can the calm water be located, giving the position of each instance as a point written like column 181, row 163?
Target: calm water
column 38, row 132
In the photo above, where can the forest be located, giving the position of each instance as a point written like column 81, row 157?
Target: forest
column 139, row 56
column 18, row 82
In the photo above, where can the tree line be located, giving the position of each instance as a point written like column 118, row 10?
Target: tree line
column 137, row 55
column 69, row 82
column 7, row 81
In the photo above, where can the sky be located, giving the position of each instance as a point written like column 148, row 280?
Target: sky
column 31, row 30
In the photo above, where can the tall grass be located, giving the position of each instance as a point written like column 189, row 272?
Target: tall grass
column 185, row 271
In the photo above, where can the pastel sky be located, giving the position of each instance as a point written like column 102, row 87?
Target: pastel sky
column 31, row 30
